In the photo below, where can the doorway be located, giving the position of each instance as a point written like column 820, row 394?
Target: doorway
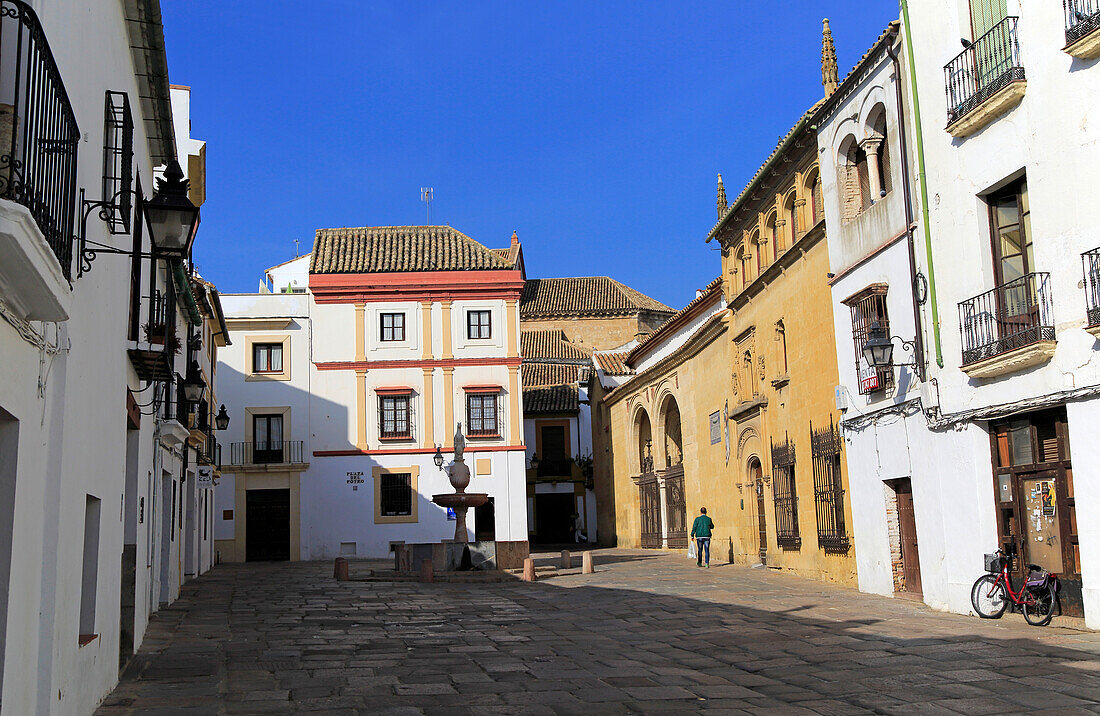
column 485, row 522
column 554, row 518
column 650, row 505
column 267, row 525
column 909, row 571
column 756, row 474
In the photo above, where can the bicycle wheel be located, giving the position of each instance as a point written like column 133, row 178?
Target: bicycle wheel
column 1039, row 607
column 988, row 597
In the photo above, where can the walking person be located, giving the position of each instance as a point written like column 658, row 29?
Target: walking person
column 700, row 532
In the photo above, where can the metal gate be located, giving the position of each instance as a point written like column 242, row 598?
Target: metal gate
column 650, row 503
column 676, row 508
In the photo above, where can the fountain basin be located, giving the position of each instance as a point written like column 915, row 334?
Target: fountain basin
column 461, row 499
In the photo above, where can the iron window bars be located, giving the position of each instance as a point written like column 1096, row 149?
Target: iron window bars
column 395, row 494
column 786, row 498
column 38, row 131
column 1091, row 265
column 392, row 327
column 1082, row 18
column 118, row 161
column 482, row 419
column 1010, row 316
column 479, row 324
column 825, row 447
column 395, row 417
column 869, row 307
column 986, row 66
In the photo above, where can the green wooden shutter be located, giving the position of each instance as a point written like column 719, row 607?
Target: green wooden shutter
column 984, row 14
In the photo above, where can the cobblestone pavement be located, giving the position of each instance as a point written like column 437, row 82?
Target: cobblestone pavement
column 648, row 632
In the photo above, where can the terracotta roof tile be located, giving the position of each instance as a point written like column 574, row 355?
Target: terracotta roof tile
column 669, row 325
column 584, row 296
column 541, row 374
column 614, row 363
column 551, row 399
column 379, row 249
column 550, row 344
column 510, row 255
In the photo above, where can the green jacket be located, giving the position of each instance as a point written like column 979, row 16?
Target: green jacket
column 702, row 526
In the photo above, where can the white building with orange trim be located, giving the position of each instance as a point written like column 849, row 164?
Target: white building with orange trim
column 343, row 395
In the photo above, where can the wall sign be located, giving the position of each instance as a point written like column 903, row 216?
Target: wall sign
column 355, row 479
column 205, row 476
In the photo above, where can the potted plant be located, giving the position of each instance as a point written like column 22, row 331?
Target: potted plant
column 154, row 332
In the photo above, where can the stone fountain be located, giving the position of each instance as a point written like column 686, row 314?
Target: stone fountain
column 461, row 500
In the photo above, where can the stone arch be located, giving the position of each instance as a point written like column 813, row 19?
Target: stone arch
column 815, row 205
column 641, row 439
column 671, row 430
column 878, row 143
column 852, row 178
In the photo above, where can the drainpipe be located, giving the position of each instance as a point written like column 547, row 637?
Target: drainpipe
column 908, row 191
column 921, row 175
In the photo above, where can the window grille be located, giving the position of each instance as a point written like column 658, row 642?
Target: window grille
column 267, row 357
column 869, row 307
column 392, row 327
column 395, row 496
column 479, row 324
column 786, row 498
column 118, row 161
column 481, row 415
column 394, row 416
column 828, row 488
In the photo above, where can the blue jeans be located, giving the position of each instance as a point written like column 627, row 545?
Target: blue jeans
column 702, row 543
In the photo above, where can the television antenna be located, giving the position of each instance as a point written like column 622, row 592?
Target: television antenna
column 426, row 193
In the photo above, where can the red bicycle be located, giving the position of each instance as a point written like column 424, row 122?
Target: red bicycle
column 992, row 593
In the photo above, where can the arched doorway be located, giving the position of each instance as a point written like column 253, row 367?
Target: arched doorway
column 756, row 477
column 673, row 476
column 649, row 496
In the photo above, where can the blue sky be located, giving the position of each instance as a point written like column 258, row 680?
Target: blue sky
column 594, row 129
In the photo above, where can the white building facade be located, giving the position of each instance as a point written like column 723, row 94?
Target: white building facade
column 347, row 391
column 93, row 307
column 978, row 455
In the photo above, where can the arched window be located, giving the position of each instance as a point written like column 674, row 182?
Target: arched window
column 879, row 131
column 853, row 179
column 817, row 208
column 742, row 267
column 781, row 347
column 773, row 235
column 761, row 254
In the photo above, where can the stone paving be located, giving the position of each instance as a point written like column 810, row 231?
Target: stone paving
column 648, row 632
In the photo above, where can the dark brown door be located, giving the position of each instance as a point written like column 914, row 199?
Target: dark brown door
column 676, row 508
column 907, row 526
column 650, row 503
column 758, row 485
column 267, row 525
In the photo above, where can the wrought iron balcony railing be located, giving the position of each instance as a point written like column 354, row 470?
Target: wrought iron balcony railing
column 555, row 467
column 1082, row 17
column 1091, row 262
column 1013, row 315
column 989, row 64
column 266, row 453
column 38, row 131
column 211, row 452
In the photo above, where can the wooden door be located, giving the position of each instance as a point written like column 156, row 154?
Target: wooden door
column 676, row 508
column 267, row 525
column 650, row 505
column 1042, row 538
column 907, row 527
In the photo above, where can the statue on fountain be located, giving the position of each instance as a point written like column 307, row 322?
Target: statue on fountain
column 460, row 501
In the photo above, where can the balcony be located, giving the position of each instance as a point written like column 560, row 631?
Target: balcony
column 210, row 453
column 985, row 80
column 38, row 149
column 267, row 456
column 1008, row 328
column 1091, row 266
column 1082, row 23
column 156, row 347
column 557, row 469
column 174, row 412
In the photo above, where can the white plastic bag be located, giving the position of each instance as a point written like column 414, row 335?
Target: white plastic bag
column 691, row 549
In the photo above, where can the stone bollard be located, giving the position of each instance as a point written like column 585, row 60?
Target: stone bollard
column 528, row 570
column 426, row 573
column 340, row 570
column 566, row 559
column 586, row 563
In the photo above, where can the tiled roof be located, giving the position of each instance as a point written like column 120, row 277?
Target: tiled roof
column 713, row 287
column 779, row 147
column 378, row 249
column 584, row 296
column 847, row 85
column 551, row 399
column 549, row 374
column 510, row 255
column 550, row 344
column 613, row 363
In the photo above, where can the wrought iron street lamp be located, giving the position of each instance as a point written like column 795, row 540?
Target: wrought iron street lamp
column 221, row 420
column 193, row 384
column 173, row 219
column 878, row 351
column 535, row 461
column 438, row 458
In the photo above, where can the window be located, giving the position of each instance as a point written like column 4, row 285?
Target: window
column 1010, row 221
column 792, row 221
column 883, row 154
column 758, row 247
column 869, row 307
column 786, row 498
column 396, row 494
column 90, row 570
column 554, row 460
column 267, row 439
column 392, row 327
column 267, row 357
column 479, row 324
column 743, row 266
column 855, row 180
column 773, row 236
column 393, row 417
column 828, row 490
column 481, row 414
column 781, row 340
column 817, row 205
